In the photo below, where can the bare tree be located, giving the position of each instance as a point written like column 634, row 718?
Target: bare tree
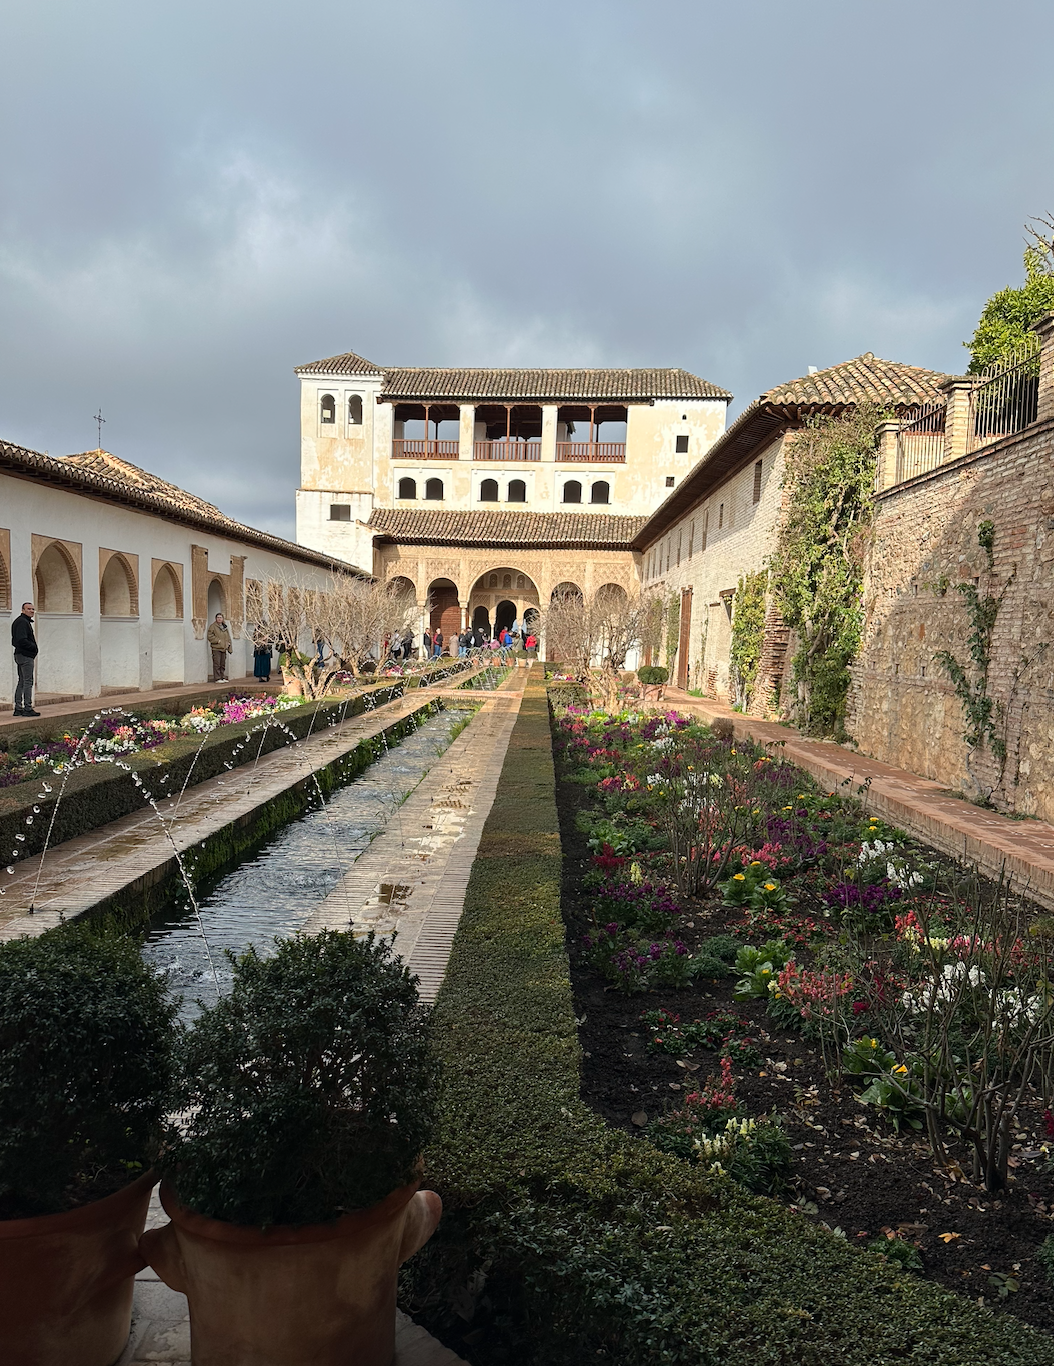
column 351, row 617
column 599, row 632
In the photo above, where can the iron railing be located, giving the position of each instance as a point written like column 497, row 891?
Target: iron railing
column 920, row 440
column 1006, row 397
column 507, row 450
column 404, row 448
column 592, row 452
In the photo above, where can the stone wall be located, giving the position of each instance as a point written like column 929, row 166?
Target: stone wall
column 902, row 707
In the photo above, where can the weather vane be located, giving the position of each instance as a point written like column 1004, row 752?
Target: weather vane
column 99, row 420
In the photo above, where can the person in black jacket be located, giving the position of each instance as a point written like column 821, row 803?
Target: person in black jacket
column 25, row 646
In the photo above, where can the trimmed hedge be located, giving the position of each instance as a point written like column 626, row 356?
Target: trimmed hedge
column 564, row 1239
column 98, row 793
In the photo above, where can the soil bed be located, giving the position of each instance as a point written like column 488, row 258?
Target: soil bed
column 852, row 1171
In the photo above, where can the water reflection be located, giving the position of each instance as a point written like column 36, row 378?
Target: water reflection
column 277, row 889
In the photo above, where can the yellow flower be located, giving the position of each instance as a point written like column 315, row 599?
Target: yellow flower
column 902, row 1070
column 770, row 886
column 755, row 863
column 738, row 877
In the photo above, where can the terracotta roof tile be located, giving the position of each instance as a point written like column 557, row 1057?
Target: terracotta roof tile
column 866, row 379
column 530, row 529
column 465, row 383
column 98, row 474
column 347, row 364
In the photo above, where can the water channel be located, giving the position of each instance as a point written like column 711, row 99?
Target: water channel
column 275, row 891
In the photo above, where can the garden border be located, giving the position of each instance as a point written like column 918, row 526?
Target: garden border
column 565, row 1238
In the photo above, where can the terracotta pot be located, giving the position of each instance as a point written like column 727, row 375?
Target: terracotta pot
column 283, row 1296
column 66, row 1281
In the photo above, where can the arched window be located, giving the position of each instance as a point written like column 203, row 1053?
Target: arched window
column 488, row 491
column 57, row 582
column 506, row 580
column 117, row 594
column 517, row 491
column 434, row 489
column 407, row 488
column 355, row 410
column 572, row 491
column 520, row 581
column 600, row 492
column 494, row 581
column 328, row 409
column 168, row 597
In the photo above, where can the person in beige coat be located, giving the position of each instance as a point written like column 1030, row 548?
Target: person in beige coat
column 219, row 637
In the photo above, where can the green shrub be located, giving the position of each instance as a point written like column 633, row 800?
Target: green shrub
column 716, row 956
column 564, row 1240
column 85, row 1064
column 652, row 675
column 1045, row 1256
column 310, row 1087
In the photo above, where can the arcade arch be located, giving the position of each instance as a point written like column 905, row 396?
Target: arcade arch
column 502, row 596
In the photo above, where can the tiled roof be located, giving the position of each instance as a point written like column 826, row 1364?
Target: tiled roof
column 863, row 380
column 98, row 474
column 347, row 364
column 112, row 466
column 533, row 530
column 461, row 383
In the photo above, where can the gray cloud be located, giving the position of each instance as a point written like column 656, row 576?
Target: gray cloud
column 197, row 198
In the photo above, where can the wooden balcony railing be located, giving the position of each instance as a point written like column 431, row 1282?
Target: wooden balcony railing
column 508, row 450
column 592, row 452
column 420, row 449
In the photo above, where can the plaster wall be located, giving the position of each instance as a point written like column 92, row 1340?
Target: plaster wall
column 81, row 653
column 902, row 707
column 356, row 462
column 738, row 535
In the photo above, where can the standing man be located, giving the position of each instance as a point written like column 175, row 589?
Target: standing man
column 219, row 638
column 25, row 646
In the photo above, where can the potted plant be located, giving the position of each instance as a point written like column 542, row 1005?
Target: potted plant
column 85, row 1030
column 293, row 1188
column 653, row 676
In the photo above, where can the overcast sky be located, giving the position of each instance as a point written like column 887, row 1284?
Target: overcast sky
column 196, row 197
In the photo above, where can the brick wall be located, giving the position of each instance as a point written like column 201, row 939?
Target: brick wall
column 902, row 708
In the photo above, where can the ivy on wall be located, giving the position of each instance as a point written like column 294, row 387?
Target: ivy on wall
column 983, row 715
column 673, row 629
column 748, row 635
column 817, row 567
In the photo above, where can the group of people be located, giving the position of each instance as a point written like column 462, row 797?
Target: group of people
column 479, row 638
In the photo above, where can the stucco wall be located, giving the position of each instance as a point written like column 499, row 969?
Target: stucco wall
column 902, row 708
column 355, row 463
column 83, row 653
column 739, row 536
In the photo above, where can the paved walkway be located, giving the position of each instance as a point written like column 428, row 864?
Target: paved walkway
column 918, row 805
column 411, row 880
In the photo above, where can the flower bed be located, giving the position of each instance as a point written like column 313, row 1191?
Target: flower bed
column 887, row 1017
column 565, row 1239
column 115, row 734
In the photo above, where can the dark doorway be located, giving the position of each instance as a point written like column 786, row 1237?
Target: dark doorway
column 481, row 619
column 504, row 615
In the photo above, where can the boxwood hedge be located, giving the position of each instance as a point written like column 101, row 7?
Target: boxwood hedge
column 565, row 1240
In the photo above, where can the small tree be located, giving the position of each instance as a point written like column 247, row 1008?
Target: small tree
column 1010, row 313
column 351, row 616
column 599, row 632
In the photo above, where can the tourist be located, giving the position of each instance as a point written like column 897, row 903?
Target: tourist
column 531, row 644
column 219, row 639
column 262, row 658
column 462, row 644
column 437, row 644
column 427, row 644
column 24, row 643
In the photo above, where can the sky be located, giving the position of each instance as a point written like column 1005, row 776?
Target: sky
column 196, row 198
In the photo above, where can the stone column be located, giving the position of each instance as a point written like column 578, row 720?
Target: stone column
column 886, row 465
column 422, row 627
column 1045, row 330
column 549, row 414
column 957, row 418
column 466, row 431
column 464, row 615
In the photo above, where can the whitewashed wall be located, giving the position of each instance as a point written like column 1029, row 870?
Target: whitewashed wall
column 81, row 653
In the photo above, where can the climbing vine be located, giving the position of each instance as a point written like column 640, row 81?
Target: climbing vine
column 817, row 568
column 673, row 629
column 983, row 714
column 748, row 634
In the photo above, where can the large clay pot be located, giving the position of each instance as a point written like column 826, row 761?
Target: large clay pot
column 66, row 1281
column 283, row 1296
